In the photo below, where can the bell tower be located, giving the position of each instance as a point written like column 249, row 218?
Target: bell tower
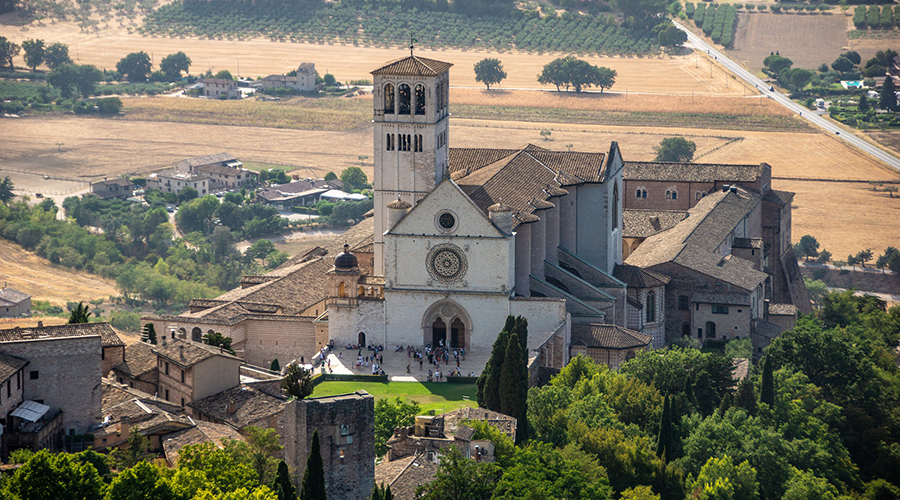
column 411, row 104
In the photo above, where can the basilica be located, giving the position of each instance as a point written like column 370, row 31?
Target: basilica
column 461, row 238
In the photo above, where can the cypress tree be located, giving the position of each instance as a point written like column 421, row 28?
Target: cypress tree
column 888, row 100
column 489, row 395
column 689, row 393
column 663, row 442
column 275, row 366
column 282, row 484
column 767, row 391
column 148, row 334
column 521, row 329
column 514, row 385
column 746, row 397
column 312, row 487
column 725, row 404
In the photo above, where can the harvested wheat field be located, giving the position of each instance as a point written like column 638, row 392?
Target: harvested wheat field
column 807, row 39
column 37, row 277
column 875, row 40
column 260, row 57
column 31, row 321
column 844, row 217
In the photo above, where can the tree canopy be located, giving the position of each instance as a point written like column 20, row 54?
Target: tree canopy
column 173, row 65
column 135, row 67
column 570, row 71
column 489, row 71
column 675, row 149
column 354, row 178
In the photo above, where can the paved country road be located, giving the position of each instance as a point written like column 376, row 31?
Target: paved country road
column 805, row 113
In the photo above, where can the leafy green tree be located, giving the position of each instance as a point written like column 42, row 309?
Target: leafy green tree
column 136, row 452
column 354, row 178
column 173, row 65
column 459, row 478
column 888, row 99
column 566, row 473
column 187, row 193
column 275, row 366
column 206, row 467
column 864, row 256
column 312, row 486
column 57, row 54
column 741, row 479
column 297, row 382
column 69, row 78
column 258, row 450
column 746, row 397
column 8, row 50
column 58, row 476
column 643, row 11
column 489, row 71
column 135, row 67
column 776, row 63
column 224, row 74
column 197, row 215
column 34, row 53
column 863, row 105
column 144, row 481
column 282, row 486
column 794, row 79
column 216, row 339
column 330, row 176
column 6, row 190
column 805, row 485
column 879, row 489
column 807, row 247
column 843, row 64
column 672, row 37
column 390, row 414
column 80, row 314
column 675, row 149
column 853, row 56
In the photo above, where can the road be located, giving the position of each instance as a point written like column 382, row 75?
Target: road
column 805, row 113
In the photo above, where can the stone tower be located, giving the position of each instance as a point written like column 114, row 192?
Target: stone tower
column 411, row 135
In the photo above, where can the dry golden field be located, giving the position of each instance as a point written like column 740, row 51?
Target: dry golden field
column 684, row 74
column 875, row 40
column 33, row 275
column 807, row 39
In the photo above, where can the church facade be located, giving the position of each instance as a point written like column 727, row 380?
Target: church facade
column 465, row 237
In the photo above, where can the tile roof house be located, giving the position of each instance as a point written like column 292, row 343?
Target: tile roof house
column 406, row 474
column 241, row 407
column 189, row 371
column 610, row 345
column 119, row 187
column 112, row 347
column 138, row 369
column 13, row 303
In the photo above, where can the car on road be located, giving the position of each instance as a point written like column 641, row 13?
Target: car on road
column 838, row 132
column 771, row 88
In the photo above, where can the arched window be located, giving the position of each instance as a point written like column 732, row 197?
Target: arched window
column 196, row 334
column 644, row 193
column 404, row 99
column 637, row 193
column 389, row 98
column 674, row 194
column 390, row 142
column 361, row 292
column 710, row 330
column 685, row 330
column 615, row 209
column 668, row 194
column 342, row 290
column 698, row 195
column 420, row 99
column 651, row 307
column 439, row 97
column 419, row 145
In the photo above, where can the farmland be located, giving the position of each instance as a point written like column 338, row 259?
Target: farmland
column 359, row 24
column 808, row 40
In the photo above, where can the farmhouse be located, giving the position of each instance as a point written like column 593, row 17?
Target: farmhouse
column 225, row 171
column 220, row 88
column 14, row 304
column 297, row 193
column 119, row 187
column 305, row 81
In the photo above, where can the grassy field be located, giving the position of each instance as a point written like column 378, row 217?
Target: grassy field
column 808, row 40
column 437, row 396
column 37, row 277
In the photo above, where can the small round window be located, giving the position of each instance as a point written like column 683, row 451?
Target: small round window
column 446, row 221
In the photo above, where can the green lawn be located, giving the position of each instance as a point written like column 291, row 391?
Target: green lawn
column 431, row 396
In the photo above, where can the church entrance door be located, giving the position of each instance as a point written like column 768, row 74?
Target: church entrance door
column 457, row 334
column 361, row 339
column 438, row 333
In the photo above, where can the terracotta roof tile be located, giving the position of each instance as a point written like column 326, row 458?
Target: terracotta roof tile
column 413, row 66
column 202, row 432
column 783, row 310
column 729, row 299
column 635, row 277
column 250, row 405
column 417, row 472
column 108, row 336
column 608, row 337
column 641, row 223
column 690, row 172
column 139, row 360
column 185, row 353
column 9, row 365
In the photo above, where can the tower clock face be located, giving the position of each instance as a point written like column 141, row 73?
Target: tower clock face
column 446, row 263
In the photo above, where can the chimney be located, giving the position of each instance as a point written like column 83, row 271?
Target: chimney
column 502, row 216
column 40, row 324
column 231, row 406
column 162, row 338
column 654, row 221
column 181, row 350
column 124, row 427
column 396, row 210
column 725, row 188
column 734, row 189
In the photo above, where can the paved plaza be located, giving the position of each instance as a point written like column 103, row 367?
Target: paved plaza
column 394, row 364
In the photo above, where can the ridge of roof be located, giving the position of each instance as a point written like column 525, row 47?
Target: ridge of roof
column 413, row 65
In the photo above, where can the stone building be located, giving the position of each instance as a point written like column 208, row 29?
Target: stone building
column 305, row 81
column 609, row 345
column 119, row 187
column 14, row 304
column 189, row 371
column 138, row 368
column 658, row 185
column 241, row 407
column 220, row 88
column 346, row 427
column 65, row 365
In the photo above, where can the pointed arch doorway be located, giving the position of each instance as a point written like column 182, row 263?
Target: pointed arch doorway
column 447, row 321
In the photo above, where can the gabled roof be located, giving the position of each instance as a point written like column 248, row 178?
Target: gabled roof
column 643, row 223
column 405, row 475
column 10, row 296
column 139, row 360
column 523, row 179
column 108, row 337
column 690, row 172
column 202, row 432
column 783, row 310
column 635, row 277
column 413, row 66
column 608, row 337
column 198, row 161
column 728, row 299
column 185, row 353
column 118, row 181
column 250, row 405
column 693, row 242
column 9, row 365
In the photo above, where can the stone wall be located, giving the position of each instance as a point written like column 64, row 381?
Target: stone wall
column 65, row 374
column 346, row 426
